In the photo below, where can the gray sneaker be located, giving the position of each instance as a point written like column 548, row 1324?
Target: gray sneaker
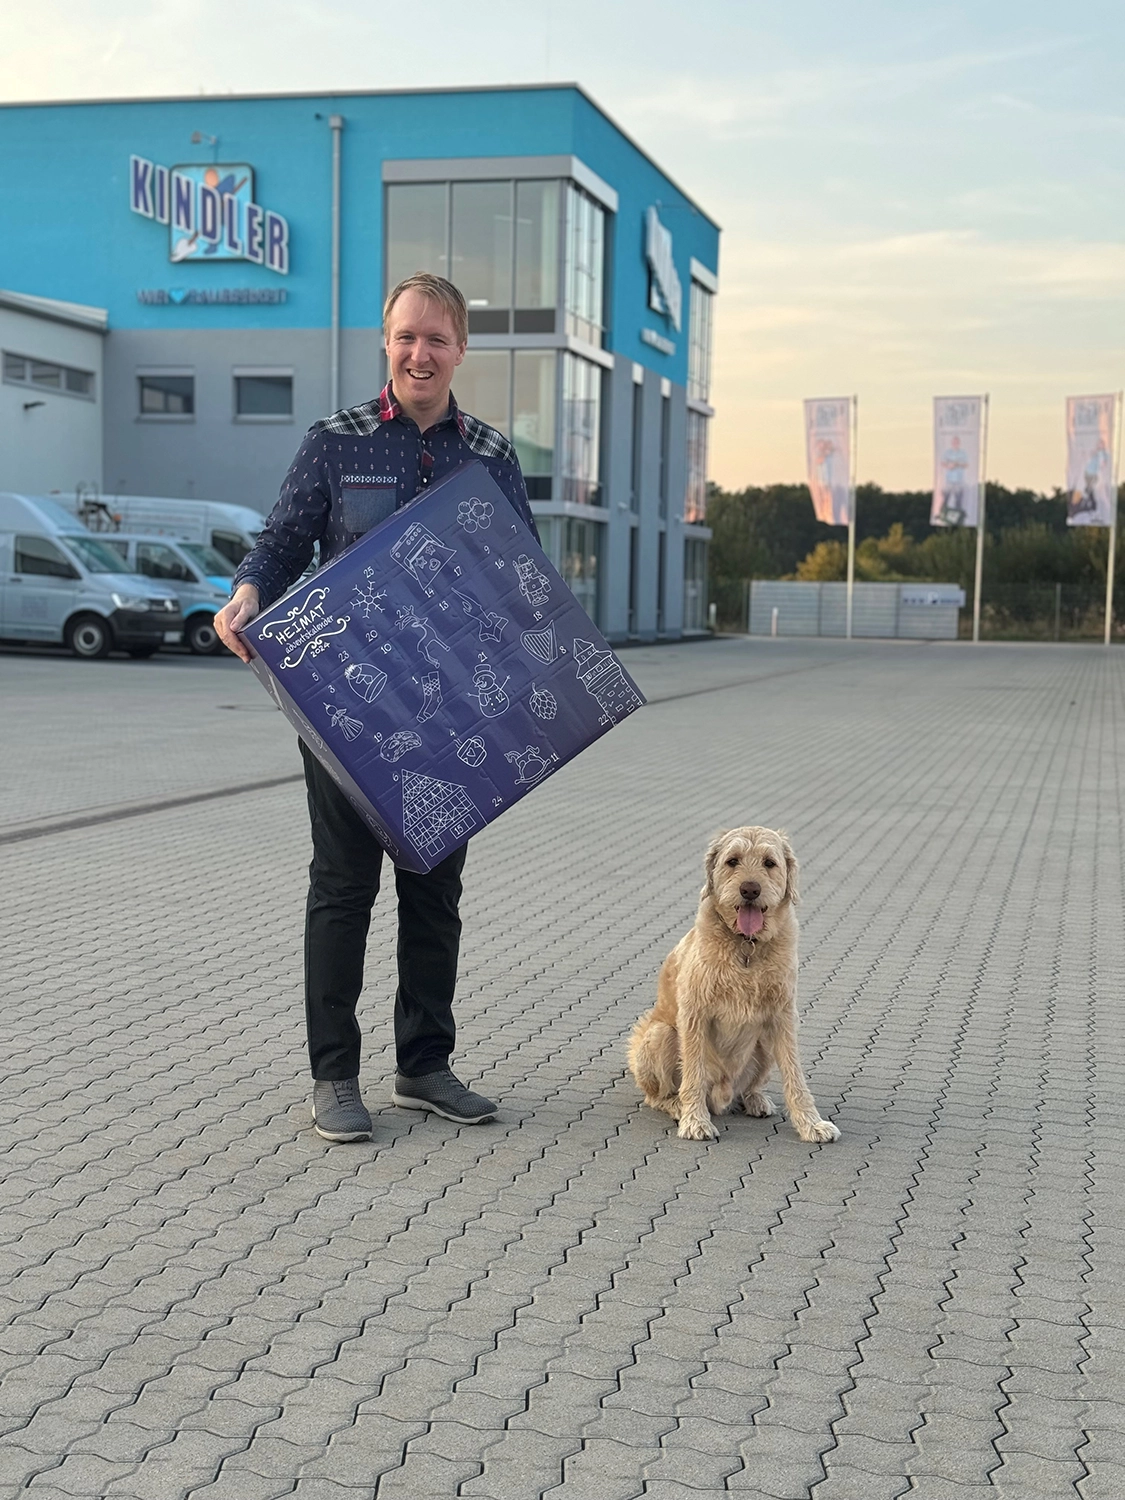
column 443, row 1094
column 338, row 1111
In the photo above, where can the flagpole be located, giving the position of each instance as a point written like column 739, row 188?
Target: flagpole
column 980, row 524
column 1113, row 524
column 851, row 517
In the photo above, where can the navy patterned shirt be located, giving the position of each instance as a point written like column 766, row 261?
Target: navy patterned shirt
column 353, row 470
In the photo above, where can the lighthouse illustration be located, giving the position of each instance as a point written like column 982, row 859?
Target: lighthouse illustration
column 603, row 677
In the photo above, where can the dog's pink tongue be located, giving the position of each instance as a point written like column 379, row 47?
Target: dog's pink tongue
column 750, row 920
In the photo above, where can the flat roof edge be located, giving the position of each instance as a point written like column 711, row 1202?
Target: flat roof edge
column 461, row 88
column 77, row 314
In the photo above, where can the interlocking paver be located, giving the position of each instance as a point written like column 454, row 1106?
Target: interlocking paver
column 203, row 1299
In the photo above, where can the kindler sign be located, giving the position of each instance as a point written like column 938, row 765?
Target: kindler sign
column 665, row 294
column 210, row 212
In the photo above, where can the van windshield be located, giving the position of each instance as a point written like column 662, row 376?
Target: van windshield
column 208, row 560
column 95, row 556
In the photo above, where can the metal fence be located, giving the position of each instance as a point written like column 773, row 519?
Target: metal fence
column 1009, row 612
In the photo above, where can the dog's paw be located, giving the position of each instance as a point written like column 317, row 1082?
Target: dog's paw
column 697, row 1130
column 757, row 1106
column 818, row 1130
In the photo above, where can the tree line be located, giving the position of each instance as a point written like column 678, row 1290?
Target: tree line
column 771, row 532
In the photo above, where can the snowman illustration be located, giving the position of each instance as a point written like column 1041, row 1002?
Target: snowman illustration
column 490, row 692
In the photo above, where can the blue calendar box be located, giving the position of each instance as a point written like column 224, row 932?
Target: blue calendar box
column 440, row 669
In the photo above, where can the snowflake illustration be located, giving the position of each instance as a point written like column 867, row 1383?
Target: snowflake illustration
column 365, row 598
column 474, row 514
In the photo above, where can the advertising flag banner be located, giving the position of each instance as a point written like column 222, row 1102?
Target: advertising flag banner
column 1089, row 460
column 828, row 445
column 957, row 451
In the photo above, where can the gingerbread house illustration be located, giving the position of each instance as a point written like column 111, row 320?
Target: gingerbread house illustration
column 433, row 810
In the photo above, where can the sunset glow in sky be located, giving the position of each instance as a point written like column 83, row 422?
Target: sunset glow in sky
column 916, row 200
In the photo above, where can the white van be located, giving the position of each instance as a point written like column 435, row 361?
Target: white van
column 231, row 529
column 59, row 583
column 199, row 576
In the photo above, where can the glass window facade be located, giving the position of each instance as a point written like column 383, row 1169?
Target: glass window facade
column 695, row 499
column 574, row 546
column 533, row 417
column 581, row 431
column 537, row 256
column 515, row 392
column 482, row 385
column 482, row 252
column 585, row 266
column 498, row 241
column 417, row 230
column 695, row 584
column 700, row 319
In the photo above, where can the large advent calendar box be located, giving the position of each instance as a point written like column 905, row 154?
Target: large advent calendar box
column 440, row 668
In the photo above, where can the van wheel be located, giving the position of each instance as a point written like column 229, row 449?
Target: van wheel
column 201, row 636
column 89, row 636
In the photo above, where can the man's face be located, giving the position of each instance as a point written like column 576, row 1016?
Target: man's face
column 423, row 352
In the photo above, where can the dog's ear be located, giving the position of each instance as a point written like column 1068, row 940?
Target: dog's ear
column 792, row 868
column 711, row 859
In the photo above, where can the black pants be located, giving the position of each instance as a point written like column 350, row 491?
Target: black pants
column 343, row 884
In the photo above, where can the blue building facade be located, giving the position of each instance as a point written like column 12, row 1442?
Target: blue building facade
column 242, row 248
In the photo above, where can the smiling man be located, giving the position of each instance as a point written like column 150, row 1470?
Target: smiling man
column 354, row 469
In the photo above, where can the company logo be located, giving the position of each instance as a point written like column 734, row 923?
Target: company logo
column 210, row 212
column 179, row 296
column 665, row 294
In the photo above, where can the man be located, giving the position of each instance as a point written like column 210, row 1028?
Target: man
column 353, row 469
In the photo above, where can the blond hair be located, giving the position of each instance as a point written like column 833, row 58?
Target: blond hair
column 434, row 289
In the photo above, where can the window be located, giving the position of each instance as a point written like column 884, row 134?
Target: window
column 581, row 426
column 638, row 446
column 45, row 376
column 483, row 387
column 695, row 499
column 95, row 554
column 482, row 253
column 498, row 241
column 699, row 343
column 230, row 545
column 573, row 546
column 537, row 257
column 661, row 578
column 262, row 395
column 585, row 266
column 533, row 417
column 155, row 560
column 695, row 584
column 35, row 554
column 207, row 560
column 665, row 451
column 417, row 230
column 166, row 395
column 514, row 391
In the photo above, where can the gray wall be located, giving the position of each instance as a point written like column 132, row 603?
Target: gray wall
column 57, row 443
column 212, row 456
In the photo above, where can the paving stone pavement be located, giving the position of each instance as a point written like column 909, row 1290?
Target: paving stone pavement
column 200, row 1298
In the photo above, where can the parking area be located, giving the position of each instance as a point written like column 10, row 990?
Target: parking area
column 200, row 1297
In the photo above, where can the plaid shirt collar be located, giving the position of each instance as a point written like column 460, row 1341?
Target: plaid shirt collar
column 389, row 409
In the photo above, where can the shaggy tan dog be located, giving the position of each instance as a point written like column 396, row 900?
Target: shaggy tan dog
column 726, row 1008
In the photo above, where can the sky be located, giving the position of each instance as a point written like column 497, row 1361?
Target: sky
column 917, row 198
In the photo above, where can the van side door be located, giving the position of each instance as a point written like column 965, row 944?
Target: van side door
column 40, row 590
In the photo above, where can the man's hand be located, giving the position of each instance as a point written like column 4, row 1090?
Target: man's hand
column 232, row 617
